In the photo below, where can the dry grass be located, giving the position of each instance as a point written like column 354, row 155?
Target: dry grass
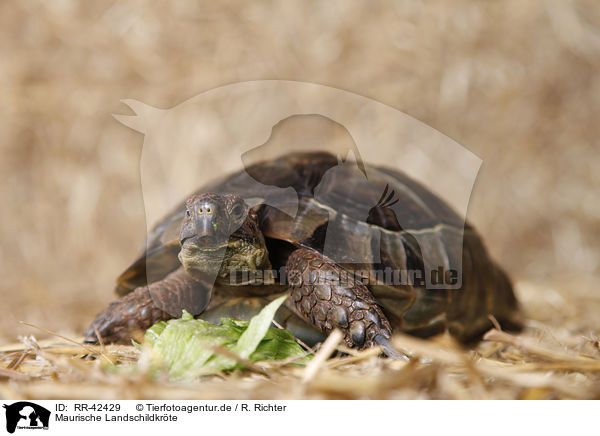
column 513, row 81
column 556, row 356
column 543, row 362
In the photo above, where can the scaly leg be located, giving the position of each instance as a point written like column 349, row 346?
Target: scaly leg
column 329, row 298
column 132, row 314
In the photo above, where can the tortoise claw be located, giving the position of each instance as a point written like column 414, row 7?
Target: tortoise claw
column 388, row 349
column 126, row 318
column 132, row 314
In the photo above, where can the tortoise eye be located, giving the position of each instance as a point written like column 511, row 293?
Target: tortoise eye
column 187, row 212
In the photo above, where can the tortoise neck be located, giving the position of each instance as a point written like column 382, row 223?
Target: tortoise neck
column 245, row 251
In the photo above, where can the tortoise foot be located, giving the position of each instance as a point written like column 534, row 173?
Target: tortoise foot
column 329, row 297
column 126, row 319
column 130, row 316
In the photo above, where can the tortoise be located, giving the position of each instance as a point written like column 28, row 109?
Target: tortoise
column 219, row 231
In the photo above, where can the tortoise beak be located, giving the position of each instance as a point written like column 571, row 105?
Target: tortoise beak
column 206, row 229
column 206, row 224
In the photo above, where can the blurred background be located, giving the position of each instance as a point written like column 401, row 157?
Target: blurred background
column 515, row 82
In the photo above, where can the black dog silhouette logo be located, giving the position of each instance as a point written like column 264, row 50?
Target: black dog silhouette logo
column 26, row 415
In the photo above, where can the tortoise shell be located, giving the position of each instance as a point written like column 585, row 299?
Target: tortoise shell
column 370, row 220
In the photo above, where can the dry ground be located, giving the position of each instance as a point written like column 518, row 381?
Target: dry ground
column 515, row 82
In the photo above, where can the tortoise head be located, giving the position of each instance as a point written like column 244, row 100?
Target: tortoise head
column 220, row 231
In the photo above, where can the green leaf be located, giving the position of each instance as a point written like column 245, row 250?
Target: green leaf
column 259, row 325
column 156, row 330
column 186, row 346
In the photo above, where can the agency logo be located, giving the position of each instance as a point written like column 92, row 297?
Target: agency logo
column 252, row 125
column 26, row 415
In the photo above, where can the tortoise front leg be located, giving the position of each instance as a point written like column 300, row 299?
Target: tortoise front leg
column 329, row 298
column 134, row 313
